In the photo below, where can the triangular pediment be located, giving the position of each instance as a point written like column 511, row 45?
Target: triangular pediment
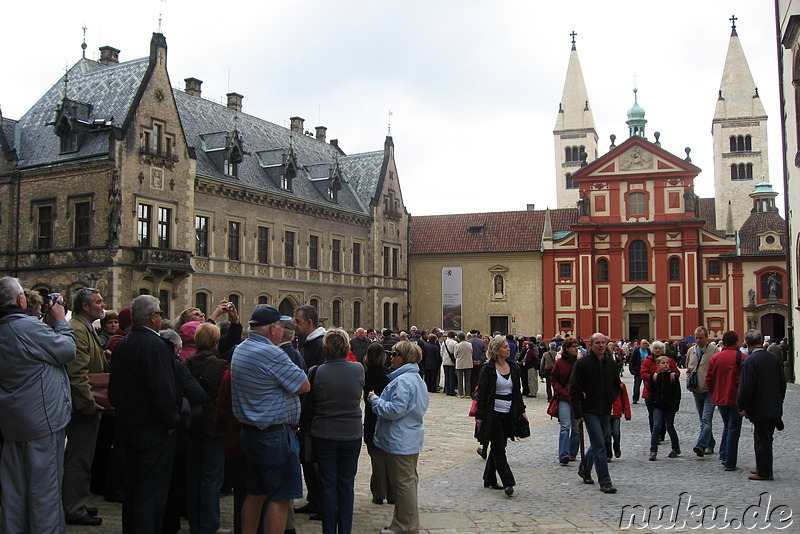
column 638, row 292
column 635, row 156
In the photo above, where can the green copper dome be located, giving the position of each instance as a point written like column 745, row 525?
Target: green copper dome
column 763, row 187
column 636, row 112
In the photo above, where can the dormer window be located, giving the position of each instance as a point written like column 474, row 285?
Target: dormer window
column 68, row 136
column 71, row 123
column 230, row 165
column 286, row 179
column 475, row 230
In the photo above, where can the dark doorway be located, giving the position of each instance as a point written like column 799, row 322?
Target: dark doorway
column 286, row 308
column 773, row 325
column 498, row 324
column 639, row 326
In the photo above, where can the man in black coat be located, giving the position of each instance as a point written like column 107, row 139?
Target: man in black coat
column 145, row 390
column 762, row 388
column 593, row 387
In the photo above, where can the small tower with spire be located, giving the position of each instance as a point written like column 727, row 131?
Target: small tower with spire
column 574, row 133
column 739, row 131
column 636, row 120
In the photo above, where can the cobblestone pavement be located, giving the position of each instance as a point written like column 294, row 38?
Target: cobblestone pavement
column 549, row 498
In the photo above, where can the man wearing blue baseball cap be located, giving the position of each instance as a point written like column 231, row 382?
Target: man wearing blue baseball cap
column 265, row 389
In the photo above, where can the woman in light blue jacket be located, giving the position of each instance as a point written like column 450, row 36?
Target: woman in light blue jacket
column 399, row 432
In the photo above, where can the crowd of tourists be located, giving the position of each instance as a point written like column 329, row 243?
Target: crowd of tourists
column 162, row 415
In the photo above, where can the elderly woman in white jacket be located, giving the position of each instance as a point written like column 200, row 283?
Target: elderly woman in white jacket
column 399, row 432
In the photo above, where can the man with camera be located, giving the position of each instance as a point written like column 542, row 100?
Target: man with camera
column 36, row 406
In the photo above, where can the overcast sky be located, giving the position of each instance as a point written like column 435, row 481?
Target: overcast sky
column 473, row 86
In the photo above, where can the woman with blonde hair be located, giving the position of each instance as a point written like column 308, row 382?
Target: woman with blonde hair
column 399, row 432
column 500, row 405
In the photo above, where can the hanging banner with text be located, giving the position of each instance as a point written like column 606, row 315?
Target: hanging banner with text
column 451, row 298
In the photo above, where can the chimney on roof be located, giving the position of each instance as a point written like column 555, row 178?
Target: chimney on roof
column 321, row 133
column 235, row 101
column 297, row 124
column 109, row 55
column 193, row 86
column 531, row 207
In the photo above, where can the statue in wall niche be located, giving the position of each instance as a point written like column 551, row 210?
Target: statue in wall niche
column 498, row 285
column 772, row 284
column 752, row 296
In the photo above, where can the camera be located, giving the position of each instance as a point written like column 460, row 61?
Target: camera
column 229, row 305
column 50, row 299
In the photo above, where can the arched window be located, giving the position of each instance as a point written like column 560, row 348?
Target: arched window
column 637, row 204
column 337, row 313
column 674, row 269
column 233, row 297
column 602, row 270
column 567, row 154
column 749, row 171
column 315, row 303
column 740, row 144
column 637, row 261
column 263, row 299
column 733, row 143
column 734, row 171
column 201, row 302
column 356, row 314
column 748, row 143
column 570, row 182
column 387, row 319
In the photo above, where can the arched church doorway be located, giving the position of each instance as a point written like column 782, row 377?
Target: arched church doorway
column 286, row 307
column 773, row 325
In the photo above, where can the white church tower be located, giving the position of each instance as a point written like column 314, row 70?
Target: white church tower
column 574, row 133
column 739, row 132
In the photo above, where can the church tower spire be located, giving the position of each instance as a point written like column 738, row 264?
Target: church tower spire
column 574, row 133
column 739, row 131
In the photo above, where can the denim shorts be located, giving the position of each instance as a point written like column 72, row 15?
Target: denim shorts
column 273, row 464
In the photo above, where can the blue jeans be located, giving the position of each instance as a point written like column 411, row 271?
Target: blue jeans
column 705, row 411
column 661, row 418
column 205, row 467
column 568, row 438
column 450, row 379
column 637, row 385
column 338, row 463
column 731, row 428
column 598, row 427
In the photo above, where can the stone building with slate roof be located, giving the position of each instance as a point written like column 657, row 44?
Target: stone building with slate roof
column 116, row 179
column 641, row 255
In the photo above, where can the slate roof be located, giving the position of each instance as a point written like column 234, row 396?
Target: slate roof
column 109, row 90
column 104, row 95
column 364, row 171
column 759, row 223
column 506, row 231
column 266, row 146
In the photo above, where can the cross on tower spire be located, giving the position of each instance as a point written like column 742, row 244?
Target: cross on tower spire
column 733, row 20
column 573, row 34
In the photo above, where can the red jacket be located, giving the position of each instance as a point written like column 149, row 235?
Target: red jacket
column 559, row 377
column 622, row 406
column 722, row 376
column 650, row 367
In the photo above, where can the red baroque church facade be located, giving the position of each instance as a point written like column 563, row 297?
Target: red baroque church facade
column 645, row 259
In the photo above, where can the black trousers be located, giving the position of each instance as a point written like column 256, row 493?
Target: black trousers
column 432, row 380
column 763, row 432
column 496, row 462
column 147, row 480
